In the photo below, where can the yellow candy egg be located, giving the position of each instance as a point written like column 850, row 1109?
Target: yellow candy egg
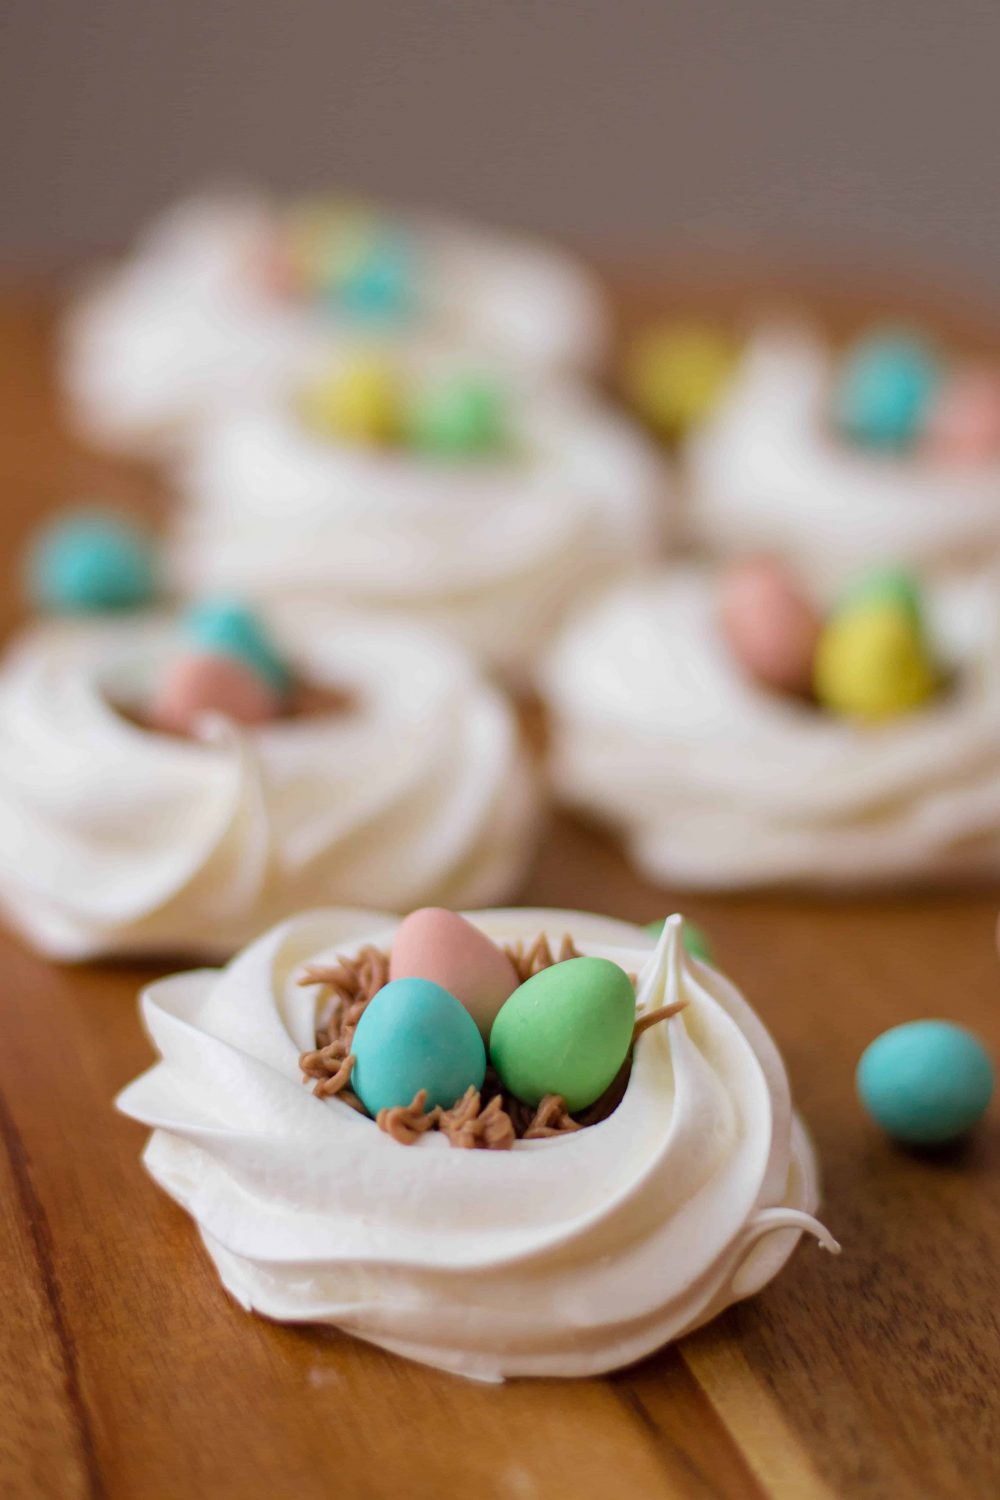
column 873, row 663
column 360, row 402
column 674, row 375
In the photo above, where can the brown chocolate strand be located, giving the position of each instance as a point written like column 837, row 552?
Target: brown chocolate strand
column 407, row 1122
column 551, row 1118
column 651, row 1017
column 530, row 961
column 471, row 1127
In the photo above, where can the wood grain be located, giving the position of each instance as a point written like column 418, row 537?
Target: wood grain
column 126, row 1372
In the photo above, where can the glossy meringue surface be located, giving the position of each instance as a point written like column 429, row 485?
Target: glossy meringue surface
column 116, row 839
column 716, row 781
column 565, row 1256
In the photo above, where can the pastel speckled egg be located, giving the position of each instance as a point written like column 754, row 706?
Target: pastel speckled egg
column 884, row 389
column 441, row 946
column 566, row 1030
column 872, row 663
column 695, row 939
column 674, row 375
column 359, row 403
column 415, row 1035
column 457, row 418
column 770, row 625
column 228, row 628
column 197, row 684
column 925, row 1082
column 91, row 562
column 963, row 425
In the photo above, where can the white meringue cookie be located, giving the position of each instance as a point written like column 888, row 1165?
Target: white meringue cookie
column 718, row 782
column 187, row 323
column 118, row 840
column 565, row 1256
column 768, row 473
column 490, row 550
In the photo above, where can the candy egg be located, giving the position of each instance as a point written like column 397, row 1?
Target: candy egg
column 414, row 1035
column 963, row 425
column 379, row 288
column 926, row 1081
column 884, row 389
column 769, row 623
column 456, row 418
column 441, row 946
column 226, row 627
column 566, row 1030
column 197, row 684
column 872, row 663
column 90, row 562
column 358, row 403
column 694, row 937
column 891, row 586
column 674, row 375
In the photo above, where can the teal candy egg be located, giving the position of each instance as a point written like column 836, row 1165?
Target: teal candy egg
column 380, row 287
column 457, row 418
column 926, row 1081
column 91, row 562
column 885, row 387
column 566, row 1030
column 415, row 1035
column 227, row 628
column 695, row 939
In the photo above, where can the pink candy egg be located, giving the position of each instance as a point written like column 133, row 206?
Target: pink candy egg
column 770, row 625
column 200, row 683
column 963, row 426
column 441, row 946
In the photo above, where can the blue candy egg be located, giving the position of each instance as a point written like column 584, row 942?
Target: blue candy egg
column 926, row 1081
column 226, row 627
column 380, row 287
column 90, row 562
column 885, row 388
column 415, row 1035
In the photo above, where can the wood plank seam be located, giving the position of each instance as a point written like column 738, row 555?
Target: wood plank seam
column 42, row 1246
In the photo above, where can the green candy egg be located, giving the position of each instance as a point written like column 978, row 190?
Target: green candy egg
column 457, row 418
column 890, row 586
column 415, row 1035
column 566, row 1030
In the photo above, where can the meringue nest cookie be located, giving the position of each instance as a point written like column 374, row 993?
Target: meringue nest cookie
column 490, row 549
column 115, row 839
column 768, row 472
column 715, row 781
column 564, row 1256
column 190, row 319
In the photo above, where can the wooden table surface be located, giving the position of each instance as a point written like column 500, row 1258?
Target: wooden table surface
column 125, row 1371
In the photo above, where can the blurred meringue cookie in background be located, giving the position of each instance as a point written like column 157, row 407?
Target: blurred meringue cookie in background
column 385, row 769
column 227, row 293
column 838, row 460
column 436, row 485
column 667, row 724
column 564, row 1248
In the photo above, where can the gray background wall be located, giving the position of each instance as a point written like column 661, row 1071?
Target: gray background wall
column 795, row 128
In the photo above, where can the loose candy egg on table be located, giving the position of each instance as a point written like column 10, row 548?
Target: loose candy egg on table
column 884, row 389
column 360, row 402
column 925, row 1082
column 198, row 683
column 225, row 627
column 873, row 663
column 674, row 375
column 566, row 1030
column 443, row 947
column 770, row 625
column 89, row 562
column 963, row 424
column 456, row 418
column 415, row 1035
